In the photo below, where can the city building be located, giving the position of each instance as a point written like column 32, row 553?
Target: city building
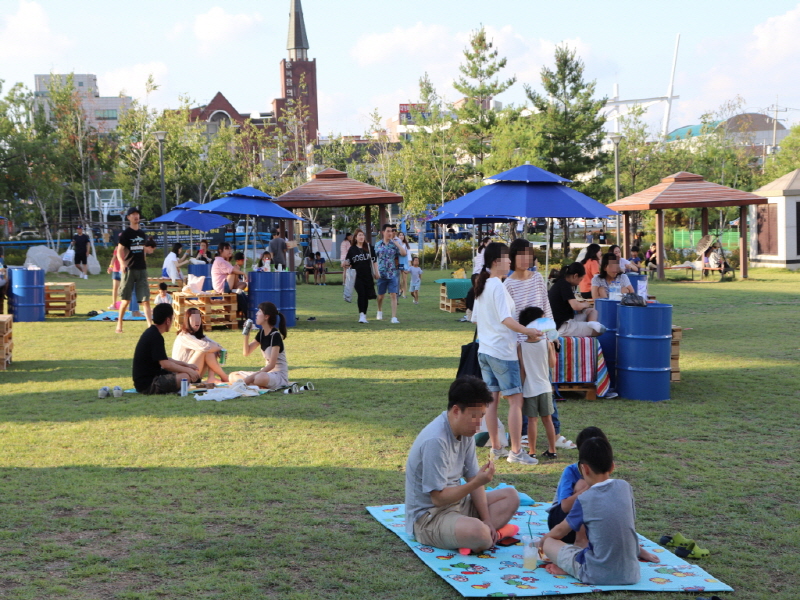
column 102, row 113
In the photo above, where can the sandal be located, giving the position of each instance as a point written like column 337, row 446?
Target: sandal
column 548, row 454
column 308, row 386
column 691, row 551
column 677, row 540
column 564, row 443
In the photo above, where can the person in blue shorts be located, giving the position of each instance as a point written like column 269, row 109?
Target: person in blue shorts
column 387, row 251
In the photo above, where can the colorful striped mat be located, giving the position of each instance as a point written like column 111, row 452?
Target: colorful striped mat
column 581, row 360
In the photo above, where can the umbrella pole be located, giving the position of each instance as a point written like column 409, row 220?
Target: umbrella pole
column 547, row 252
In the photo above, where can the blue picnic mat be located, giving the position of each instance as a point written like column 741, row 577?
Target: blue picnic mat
column 499, row 571
column 111, row 315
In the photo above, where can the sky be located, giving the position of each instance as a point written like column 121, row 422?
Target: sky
column 371, row 54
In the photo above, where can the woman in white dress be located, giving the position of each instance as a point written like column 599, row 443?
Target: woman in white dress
column 193, row 347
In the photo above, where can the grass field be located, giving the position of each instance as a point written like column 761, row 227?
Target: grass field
column 165, row 497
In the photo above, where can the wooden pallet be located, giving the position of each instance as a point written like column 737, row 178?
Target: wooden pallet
column 6, row 348
column 6, row 321
column 154, row 282
column 60, row 309
column 60, row 298
column 450, row 305
column 675, row 354
column 217, row 310
column 589, row 389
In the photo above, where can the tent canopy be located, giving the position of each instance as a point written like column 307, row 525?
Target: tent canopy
column 246, row 205
column 529, row 173
column 195, row 220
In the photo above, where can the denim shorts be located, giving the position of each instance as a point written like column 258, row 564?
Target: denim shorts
column 500, row 375
column 116, row 276
column 389, row 283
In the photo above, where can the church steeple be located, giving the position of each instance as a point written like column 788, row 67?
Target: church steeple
column 297, row 44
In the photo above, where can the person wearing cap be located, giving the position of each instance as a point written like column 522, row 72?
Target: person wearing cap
column 82, row 247
column 131, row 252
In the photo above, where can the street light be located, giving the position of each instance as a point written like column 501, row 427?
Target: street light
column 161, row 136
column 616, row 138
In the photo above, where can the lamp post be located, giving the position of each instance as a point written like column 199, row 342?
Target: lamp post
column 616, row 138
column 161, row 136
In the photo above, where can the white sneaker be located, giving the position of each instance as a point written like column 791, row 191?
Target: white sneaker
column 379, row 316
column 394, row 320
column 521, row 458
column 362, row 318
column 103, row 392
column 496, row 454
column 117, row 391
column 565, row 444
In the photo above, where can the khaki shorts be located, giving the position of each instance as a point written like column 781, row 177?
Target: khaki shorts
column 576, row 327
column 135, row 279
column 566, row 560
column 437, row 527
column 538, row 406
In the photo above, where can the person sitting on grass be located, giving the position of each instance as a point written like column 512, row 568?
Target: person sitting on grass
column 606, row 549
column 163, row 297
column 570, row 486
column 536, row 360
column 153, row 371
column 440, row 511
column 269, row 338
column 192, row 346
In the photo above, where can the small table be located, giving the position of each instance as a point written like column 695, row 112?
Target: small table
column 452, row 293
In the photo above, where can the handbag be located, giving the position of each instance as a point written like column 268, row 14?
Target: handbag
column 468, row 365
column 349, row 284
column 633, row 300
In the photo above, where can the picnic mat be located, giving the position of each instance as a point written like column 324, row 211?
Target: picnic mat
column 111, row 315
column 261, row 391
column 456, row 288
column 499, row 571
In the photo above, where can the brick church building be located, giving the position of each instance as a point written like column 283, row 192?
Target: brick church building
column 298, row 84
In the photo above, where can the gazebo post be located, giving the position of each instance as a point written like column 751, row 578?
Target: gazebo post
column 626, row 234
column 289, row 251
column 382, row 216
column 660, row 242
column 368, row 223
column 704, row 221
column 743, row 245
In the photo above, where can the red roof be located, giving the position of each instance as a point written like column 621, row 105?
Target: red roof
column 685, row 190
column 332, row 188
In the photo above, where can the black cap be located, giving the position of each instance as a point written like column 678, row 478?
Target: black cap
column 132, row 210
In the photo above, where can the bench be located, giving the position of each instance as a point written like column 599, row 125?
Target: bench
column 732, row 272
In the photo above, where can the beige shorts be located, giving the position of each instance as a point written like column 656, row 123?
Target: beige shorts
column 437, row 527
column 566, row 560
column 276, row 378
column 576, row 327
column 538, row 406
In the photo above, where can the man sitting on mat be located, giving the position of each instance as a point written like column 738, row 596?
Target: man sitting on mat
column 439, row 511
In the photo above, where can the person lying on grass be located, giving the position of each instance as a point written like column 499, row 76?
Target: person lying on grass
column 439, row 511
column 275, row 373
column 606, row 549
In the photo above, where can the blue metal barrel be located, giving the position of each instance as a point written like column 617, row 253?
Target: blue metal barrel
column 635, row 279
column 26, row 294
column 262, row 287
column 203, row 271
column 644, row 343
column 607, row 315
column 288, row 305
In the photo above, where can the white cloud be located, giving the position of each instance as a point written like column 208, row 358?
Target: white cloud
column 217, row 26
column 26, row 35
column 131, row 81
column 420, row 42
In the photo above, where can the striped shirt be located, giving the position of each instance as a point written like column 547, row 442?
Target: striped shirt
column 528, row 292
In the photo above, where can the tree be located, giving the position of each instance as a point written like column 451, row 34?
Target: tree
column 516, row 140
column 572, row 125
column 479, row 85
column 788, row 159
column 136, row 144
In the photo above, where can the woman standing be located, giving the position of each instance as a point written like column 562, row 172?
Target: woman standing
column 610, row 280
column 344, row 247
column 404, row 264
column 477, row 262
column 193, row 347
column 361, row 257
column 527, row 288
column 114, row 270
column 275, row 373
column 591, row 265
column 494, row 312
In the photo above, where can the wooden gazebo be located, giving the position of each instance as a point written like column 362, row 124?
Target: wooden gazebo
column 334, row 189
column 687, row 190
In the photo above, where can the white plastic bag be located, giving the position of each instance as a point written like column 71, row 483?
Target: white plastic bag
column 68, row 257
column 349, row 284
column 195, row 282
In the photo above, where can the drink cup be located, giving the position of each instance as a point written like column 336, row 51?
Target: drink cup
column 184, row 387
column 531, row 554
column 223, row 356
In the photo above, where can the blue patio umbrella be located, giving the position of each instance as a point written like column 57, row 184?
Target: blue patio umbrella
column 447, row 218
column 530, row 174
column 195, row 220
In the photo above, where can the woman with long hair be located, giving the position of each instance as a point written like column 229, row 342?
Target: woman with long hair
column 404, row 264
column 171, row 268
column 477, row 262
column 610, row 279
column 275, row 373
column 625, row 265
column 193, row 347
column 591, row 265
column 203, row 253
column 494, row 312
column 573, row 317
column 361, row 257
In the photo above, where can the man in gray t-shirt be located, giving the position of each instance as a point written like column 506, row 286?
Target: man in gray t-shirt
column 277, row 247
column 606, row 549
column 440, row 511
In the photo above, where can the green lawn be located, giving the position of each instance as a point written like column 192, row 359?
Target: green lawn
column 148, row 497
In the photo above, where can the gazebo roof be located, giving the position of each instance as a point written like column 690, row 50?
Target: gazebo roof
column 788, row 185
column 686, row 190
column 332, row 188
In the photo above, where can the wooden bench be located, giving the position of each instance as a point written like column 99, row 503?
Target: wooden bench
column 732, row 272
column 678, row 267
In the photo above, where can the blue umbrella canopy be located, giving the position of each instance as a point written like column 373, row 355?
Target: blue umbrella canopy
column 195, row 220
column 246, row 205
column 529, row 174
column 249, row 192
column 188, row 204
column 447, row 218
column 552, row 200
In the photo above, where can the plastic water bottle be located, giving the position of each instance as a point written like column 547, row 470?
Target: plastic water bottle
column 615, row 291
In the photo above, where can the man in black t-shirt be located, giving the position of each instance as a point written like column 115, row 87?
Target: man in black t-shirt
column 153, row 371
column 132, row 249
column 80, row 242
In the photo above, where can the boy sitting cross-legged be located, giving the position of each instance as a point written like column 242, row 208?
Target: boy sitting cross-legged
column 606, row 549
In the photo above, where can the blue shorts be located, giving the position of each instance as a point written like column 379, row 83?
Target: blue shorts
column 389, row 283
column 116, row 276
column 500, row 375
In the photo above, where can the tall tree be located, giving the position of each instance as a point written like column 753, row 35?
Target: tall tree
column 479, row 84
column 516, row 140
column 572, row 124
column 136, row 144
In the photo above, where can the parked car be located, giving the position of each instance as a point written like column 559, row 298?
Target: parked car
column 26, row 236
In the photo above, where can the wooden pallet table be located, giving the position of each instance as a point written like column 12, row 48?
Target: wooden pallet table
column 450, row 305
column 675, row 354
column 585, row 388
column 217, row 310
column 154, row 282
column 6, row 341
column 60, row 298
